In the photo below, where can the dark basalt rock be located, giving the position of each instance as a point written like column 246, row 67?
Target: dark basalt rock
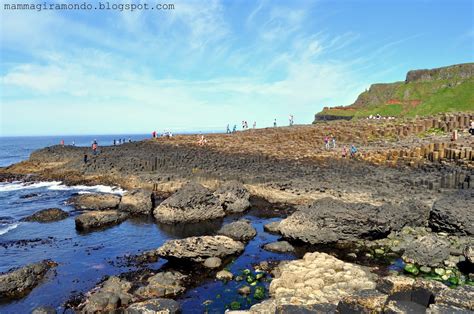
column 136, row 202
column 453, row 214
column 19, row 282
column 241, row 230
column 47, row 215
column 234, row 197
column 99, row 219
column 193, row 202
column 93, row 201
column 328, row 220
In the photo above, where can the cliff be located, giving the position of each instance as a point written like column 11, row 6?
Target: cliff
column 424, row 92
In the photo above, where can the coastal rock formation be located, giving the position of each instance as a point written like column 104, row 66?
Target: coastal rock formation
column 192, row 203
column 429, row 250
column 112, row 295
column 44, row 310
column 328, row 220
column 212, row 262
column 234, row 197
column 241, row 230
column 279, row 246
column 163, row 284
column 272, row 227
column 47, row 215
column 318, row 278
column 469, row 253
column 197, row 249
column 18, row 283
column 462, row 297
column 453, row 214
column 136, row 202
column 95, row 201
column 99, row 219
column 152, row 306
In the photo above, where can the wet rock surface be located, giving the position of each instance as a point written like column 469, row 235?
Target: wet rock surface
column 234, row 197
column 95, row 201
column 241, row 230
column 17, row 283
column 192, row 203
column 328, row 220
column 163, row 284
column 136, row 202
column 44, row 310
column 47, row 215
column 453, row 214
column 152, row 306
column 111, row 295
column 198, row 249
column 272, row 227
column 99, row 219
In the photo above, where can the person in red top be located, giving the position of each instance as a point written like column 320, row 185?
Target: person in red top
column 153, row 134
column 94, row 148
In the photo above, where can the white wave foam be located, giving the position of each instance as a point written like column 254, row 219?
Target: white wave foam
column 58, row 186
column 15, row 186
column 7, row 228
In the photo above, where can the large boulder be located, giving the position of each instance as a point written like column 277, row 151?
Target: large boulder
column 198, row 249
column 234, row 197
column 279, row 247
column 428, row 250
column 136, row 202
column 18, row 283
column 47, row 215
column 109, row 297
column 453, row 214
column 328, row 220
column 153, row 306
column 95, row 201
column 99, row 219
column 192, row 203
column 163, row 284
column 241, row 230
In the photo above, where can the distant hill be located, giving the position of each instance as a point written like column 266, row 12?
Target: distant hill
column 424, row 92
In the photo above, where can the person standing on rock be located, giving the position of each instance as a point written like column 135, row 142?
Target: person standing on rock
column 344, row 152
column 326, row 142
column 353, row 151
column 275, row 123
column 94, row 148
column 334, row 142
column 254, row 124
column 85, row 158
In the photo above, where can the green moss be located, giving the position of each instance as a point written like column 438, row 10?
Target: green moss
column 259, row 293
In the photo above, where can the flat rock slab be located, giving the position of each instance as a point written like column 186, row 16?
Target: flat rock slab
column 198, row 249
column 47, row 215
column 95, row 201
column 429, row 250
column 272, row 227
column 152, row 306
column 241, row 230
column 18, row 283
column 136, row 202
column 192, row 203
column 99, row 219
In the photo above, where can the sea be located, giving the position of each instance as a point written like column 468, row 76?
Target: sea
column 86, row 258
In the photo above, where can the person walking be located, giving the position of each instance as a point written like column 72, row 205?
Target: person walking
column 235, row 128
column 228, row 129
column 85, row 158
column 326, row 142
column 275, row 123
column 254, row 124
column 94, row 148
column 344, row 152
column 353, row 151
column 334, row 142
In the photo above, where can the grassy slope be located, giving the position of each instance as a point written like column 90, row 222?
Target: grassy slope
column 435, row 96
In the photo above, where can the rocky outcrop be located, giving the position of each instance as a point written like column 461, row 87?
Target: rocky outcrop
column 197, row 249
column 272, row 227
column 279, row 247
column 192, row 203
column 47, row 215
column 99, row 219
column 18, row 283
column 162, row 285
column 95, row 201
column 462, row 297
column 328, row 220
column 234, row 197
column 453, row 214
column 112, row 295
column 428, row 250
column 44, row 310
column 152, row 306
column 136, row 202
column 241, row 230
column 318, row 278
column 453, row 72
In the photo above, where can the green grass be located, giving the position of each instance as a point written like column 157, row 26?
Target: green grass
column 436, row 97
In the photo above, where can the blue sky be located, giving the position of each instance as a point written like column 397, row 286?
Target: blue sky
column 209, row 63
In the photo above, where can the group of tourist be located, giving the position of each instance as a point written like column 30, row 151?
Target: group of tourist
column 328, row 140
column 165, row 134
column 121, row 141
column 379, row 117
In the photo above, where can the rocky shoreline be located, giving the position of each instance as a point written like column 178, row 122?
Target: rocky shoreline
column 396, row 243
